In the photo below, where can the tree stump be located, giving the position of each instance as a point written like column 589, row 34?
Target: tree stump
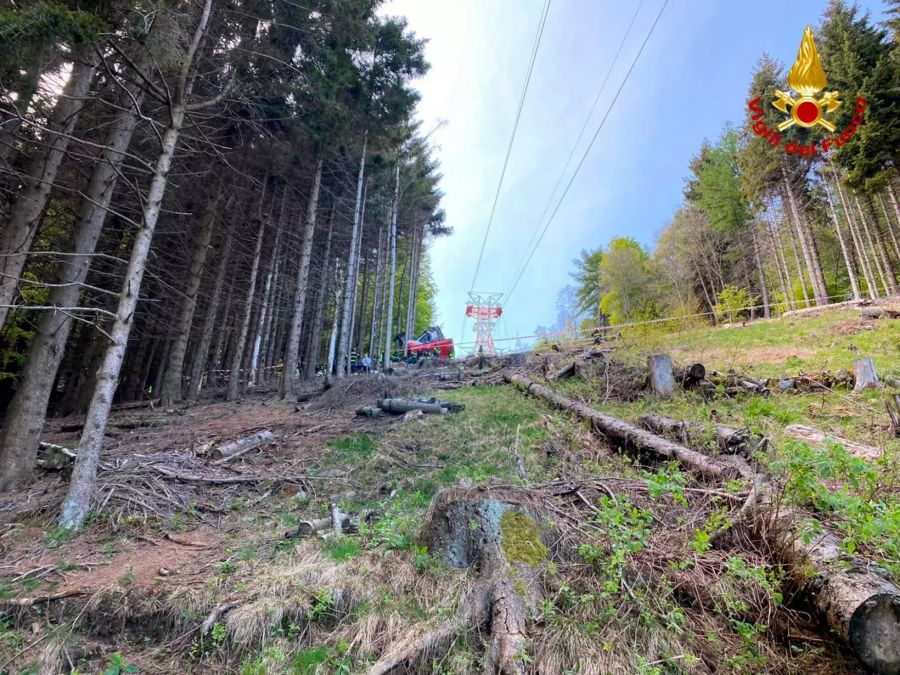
column 662, row 380
column 866, row 375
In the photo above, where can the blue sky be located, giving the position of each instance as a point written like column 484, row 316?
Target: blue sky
column 690, row 80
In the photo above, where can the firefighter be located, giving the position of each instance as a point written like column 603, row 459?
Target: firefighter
column 354, row 360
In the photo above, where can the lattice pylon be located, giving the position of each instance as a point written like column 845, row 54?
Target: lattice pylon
column 484, row 308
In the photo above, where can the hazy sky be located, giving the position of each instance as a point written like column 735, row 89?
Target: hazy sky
column 690, row 80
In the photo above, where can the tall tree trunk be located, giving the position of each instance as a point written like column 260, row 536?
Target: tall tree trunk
column 792, row 239
column 375, row 326
column 856, row 237
column 343, row 359
column 20, row 435
column 845, row 252
column 363, row 302
column 359, row 256
column 237, row 355
column 392, row 271
column 201, row 355
column 870, row 244
column 315, row 342
column 764, row 289
column 84, row 475
column 804, row 236
column 15, row 242
column 784, row 272
column 882, row 249
column 172, row 384
column 338, row 293
column 293, row 342
column 81, row 484
column 892, row 193
column 266, row 299
column 890, row 228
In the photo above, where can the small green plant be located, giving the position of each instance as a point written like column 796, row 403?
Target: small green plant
column 323, row 604
column 129, row 577
column 227, row 567
column 343, row 548
column 116, row 665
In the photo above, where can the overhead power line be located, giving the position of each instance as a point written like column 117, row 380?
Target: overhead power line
column 584, row 126
column 587, row 151
column 512, row 138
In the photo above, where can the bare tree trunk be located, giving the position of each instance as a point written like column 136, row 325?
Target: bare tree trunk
column 359, row 256
column 266, row 299
column 84, row 475
column 882, row 249
column 201, row 356
column 784, row 272
column 338, row 293
column 813, row 265
column 848, row 259
column 25, row 416
column 237, row 356
column 363, row 302
column 890, row 228
column 856, row 238
column 15, row 242
column 792, row 237
column 81, row 485
column 870, row 245
column 376, row 302
column 172, row 384
column 392, row 271
column 892, row 193
column 346, row 316
column 315, row 345
column 764, row 289
column 293, row 341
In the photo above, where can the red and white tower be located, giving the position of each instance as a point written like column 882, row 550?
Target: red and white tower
column 484, row 308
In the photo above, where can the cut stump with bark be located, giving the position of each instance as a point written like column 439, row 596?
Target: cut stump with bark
column 662, row 379
column 496, row 533
column 234, row 449
column 866, row 375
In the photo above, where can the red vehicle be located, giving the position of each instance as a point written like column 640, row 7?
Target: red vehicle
column 430, row 343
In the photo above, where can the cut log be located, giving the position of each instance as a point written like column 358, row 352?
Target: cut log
column 814, row 437
column 662, row 380
column 728, row 440
column 865, row 373
column 623, row 434
column 401, row 405
column 306, row 528
column 691, row 375
column 858, row 604
column 233, row 449
column 565, row 372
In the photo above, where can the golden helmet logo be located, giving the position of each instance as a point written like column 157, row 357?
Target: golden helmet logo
column 807, row 78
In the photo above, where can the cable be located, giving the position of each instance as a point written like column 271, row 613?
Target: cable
column 534, row 51
column 587, row 150
column 584, row 126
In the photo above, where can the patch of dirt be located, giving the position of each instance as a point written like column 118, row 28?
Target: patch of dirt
column 854, row 326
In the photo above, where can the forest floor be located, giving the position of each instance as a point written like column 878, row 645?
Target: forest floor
column 174, row 574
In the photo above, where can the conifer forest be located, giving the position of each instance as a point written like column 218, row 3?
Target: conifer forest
column 241, row 433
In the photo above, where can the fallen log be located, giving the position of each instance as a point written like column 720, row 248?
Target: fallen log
column 622, row 433
column 224, row 480
column 728, row 440
column 234, row 449
column 859, row 605
column 812, row 436
column 400, row 405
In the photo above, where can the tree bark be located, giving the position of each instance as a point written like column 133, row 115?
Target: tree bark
column 662, row 381
column 315, row 346
column 15, row 242
column 813, row 265
column 293, row 342
column 848, row 259
column 869, row 242
column 865, row 374
column 890, row 228
column 81, row 485
column 172, row 384
column 338, row 293
column 237, row 356
column 375, row 327
column 392, row 271
column 764, row 288
column 347, row 315
column 201, row 355
column 882, row 249
column 25, row 416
